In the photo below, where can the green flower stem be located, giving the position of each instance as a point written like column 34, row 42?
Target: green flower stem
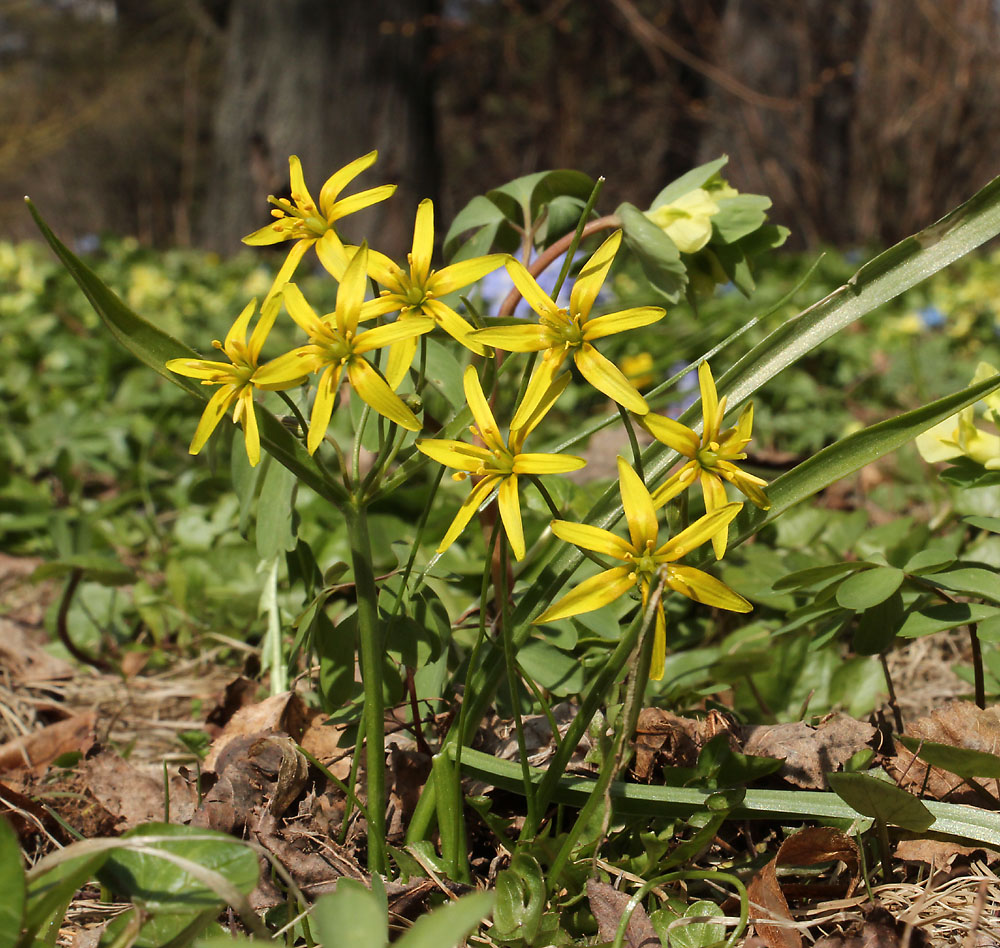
column 531, row 817
column 370, row 638
column 632, row 440
column 610, row 670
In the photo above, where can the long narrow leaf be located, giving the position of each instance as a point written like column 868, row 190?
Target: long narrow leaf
column 154, row 347
column 852, row 453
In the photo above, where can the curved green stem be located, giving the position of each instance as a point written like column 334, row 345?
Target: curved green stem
column 370, row 647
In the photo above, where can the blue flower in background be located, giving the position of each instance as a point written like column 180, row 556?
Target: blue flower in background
column 932, row 317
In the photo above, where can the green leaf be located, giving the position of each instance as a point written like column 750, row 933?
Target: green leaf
column 878, row 626
column 479, row 213
column 50, row 891
column 553, row 669
column 962, row 761
column 410, row 642
column 351, row 916
column 95, row 568
column 928, row 561
column 520, row 900
column 695, row 178
column 881, row 801
column 933, row 619
column 275, row 510
column 12, row 885
column 992, row 524
column 444, row 372
column 656, row 252
column 163, row 886
column 690, row 934
column 970, row 581
column 740, row 216
column 817, row 574
column 449, row 924
column 869, row 587
column 157, row 931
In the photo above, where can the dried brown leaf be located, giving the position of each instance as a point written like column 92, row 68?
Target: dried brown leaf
column 36, row 751
column 285, row 713
column 768, row 906
column 133, row 797
column 608, row 906
column 809, row 753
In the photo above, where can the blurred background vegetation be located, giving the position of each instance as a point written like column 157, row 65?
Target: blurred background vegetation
column 171, row 120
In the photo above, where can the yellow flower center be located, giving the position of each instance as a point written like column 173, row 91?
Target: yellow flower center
column 300, row 218
column 565, row 331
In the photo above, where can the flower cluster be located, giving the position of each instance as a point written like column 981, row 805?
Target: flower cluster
column 339, row 348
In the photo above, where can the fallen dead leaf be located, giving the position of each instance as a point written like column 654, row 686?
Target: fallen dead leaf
column 608, row 905
column 36, row 751
column 808, row 847
column 809, row 753
column 24, row 659
column 322, row 740
column 285, row 713
column 937, row 853
column 960, row 724
column 134, row 798
column 663, row 739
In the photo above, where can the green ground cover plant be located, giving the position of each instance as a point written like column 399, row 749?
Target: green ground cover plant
column 321, row 528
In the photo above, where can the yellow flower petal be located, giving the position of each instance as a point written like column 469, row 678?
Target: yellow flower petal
column 672, row 433
column 528, row 287
column 334, row 255
column 374, row 390
column 457, row 454
column 340, row 179
column 351, row 292
column 611, row 323
column 297, row 183
column 709, row 403
column 639, row 511
column 593, row 538
column 251, row 436
column 199, row 368
column 588, row 284
column 489, row 430
column 268, row 314
column 551, row 396
column 400, row 359
column 607, row 378
column 538, row 387
column 676, row 484
column 300, row 310
column 456, row 275
column 658, row 659
column 289, row 367
column 423, row 242
column 477, row 495
column 525, row 337
column 715, row 497
column 703, row 588
column 454, row 325
column 699, row 532
column 591, row 594
column 326, row 394
column 381, row 336
column 510, row 514
column 214, row 412
column 547, row 463
column 238, row 331
column 359, row 201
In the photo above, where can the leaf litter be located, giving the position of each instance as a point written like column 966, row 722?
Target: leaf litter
column 255, row 783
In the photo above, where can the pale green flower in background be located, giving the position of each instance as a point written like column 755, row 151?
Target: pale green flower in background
column 958, row 435
column 688, row 220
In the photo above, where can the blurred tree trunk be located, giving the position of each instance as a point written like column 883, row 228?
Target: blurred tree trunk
column 786, row 114
column 327, row 82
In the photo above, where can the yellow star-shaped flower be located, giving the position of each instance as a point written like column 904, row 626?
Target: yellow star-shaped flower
column 562, row 333
column 645, row 564
column 711, row 455
column 300, row 220
column 335, row 345
column 417, row 289
column 496, row 463
column 237, row 378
